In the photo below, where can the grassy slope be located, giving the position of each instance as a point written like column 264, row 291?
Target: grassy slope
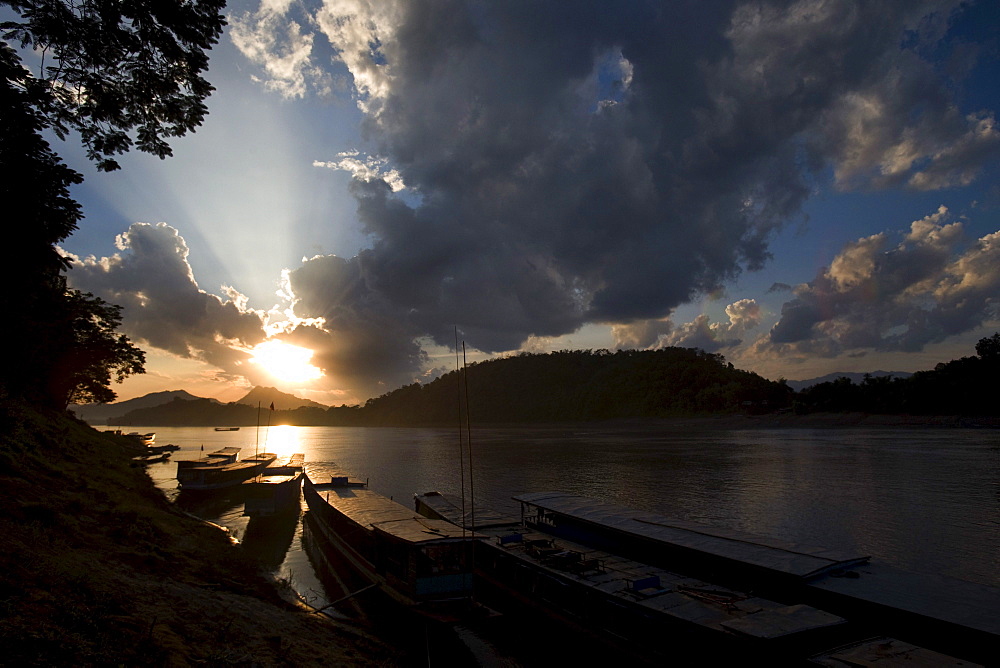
column 97, row 568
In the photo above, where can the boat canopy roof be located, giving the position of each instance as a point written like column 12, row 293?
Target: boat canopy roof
column 225, row 452
column 449, row 506
column 785, row 558
column 371, row 509
column 423, row 530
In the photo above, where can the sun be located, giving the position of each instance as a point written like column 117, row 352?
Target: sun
column 285, row 362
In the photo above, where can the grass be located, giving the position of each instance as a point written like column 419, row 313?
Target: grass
column 97, row 568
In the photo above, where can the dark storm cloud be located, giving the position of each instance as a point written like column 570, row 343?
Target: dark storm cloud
column 580, row 163
column 882, row 296
column 361, row 342
column 163, row 306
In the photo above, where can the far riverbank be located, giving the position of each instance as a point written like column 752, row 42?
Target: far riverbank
column 812, row 421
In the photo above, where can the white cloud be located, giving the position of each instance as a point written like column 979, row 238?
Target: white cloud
column 744, row 315
column 884, row 297
column 365, row 168
column 281, row 47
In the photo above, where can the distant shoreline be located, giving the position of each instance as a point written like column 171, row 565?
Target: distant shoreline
column 708, row 423
column 812, row 421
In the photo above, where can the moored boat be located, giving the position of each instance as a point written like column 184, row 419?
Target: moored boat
column 227, row 429
column 143, row 439
column 943, row 614
column 275, row 490
column 220, row 469
column 422, row 563
column 635, row 603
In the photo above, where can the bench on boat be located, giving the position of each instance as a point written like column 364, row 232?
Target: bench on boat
column 586, row 565
column 646, row 587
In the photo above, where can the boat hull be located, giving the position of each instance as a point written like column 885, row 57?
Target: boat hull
column 211, row 476
column 419, row 565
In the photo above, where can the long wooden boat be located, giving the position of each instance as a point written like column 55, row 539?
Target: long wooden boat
column 227, row 429
column 639, row 605
column 275, row 490
column 220, row 469
column 422, row 563
column 944, row 614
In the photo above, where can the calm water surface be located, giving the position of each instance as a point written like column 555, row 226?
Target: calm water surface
column 923, row 499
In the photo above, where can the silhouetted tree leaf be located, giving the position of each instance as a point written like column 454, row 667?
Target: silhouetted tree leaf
column 121, row 74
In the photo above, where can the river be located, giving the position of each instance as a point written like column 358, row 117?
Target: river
column 926, row 500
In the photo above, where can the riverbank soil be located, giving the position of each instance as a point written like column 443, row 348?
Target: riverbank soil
column 97, row 568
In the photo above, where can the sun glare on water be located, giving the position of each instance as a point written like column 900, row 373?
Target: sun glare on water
column 285, row 362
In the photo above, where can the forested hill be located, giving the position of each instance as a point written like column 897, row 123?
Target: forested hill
column 585, row 385
column 561, row 386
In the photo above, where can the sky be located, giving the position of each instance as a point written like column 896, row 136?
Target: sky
column 803, row 187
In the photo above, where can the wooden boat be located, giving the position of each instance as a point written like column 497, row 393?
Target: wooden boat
column 634, row 603
column 275, row 490
column 422, row 563
column 227, row 429
column 144, row 439
column 220, row 469
column 944, row 614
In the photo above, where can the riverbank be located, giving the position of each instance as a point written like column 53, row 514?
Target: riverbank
column 734, row 422
column 96, row 567
column 808, row 421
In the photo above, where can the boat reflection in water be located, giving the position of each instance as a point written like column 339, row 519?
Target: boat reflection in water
column 271, row 501
column 268, row 539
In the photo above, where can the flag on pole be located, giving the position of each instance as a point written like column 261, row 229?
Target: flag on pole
column 272, row 405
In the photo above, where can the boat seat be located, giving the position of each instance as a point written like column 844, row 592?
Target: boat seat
column 587, row 565
column 510, row 539
column 646, row 587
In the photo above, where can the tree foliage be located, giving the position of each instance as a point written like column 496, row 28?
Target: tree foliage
column 94, row 353
column 960, row 387
column 119, row 73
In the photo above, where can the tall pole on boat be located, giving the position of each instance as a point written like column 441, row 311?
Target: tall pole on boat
column 256, row 447
column 461, row 449
column 267, row 430
column 468, row 442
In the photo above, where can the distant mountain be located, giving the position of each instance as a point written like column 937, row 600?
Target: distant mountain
column 283, row 401
column 99, row 413
column 856, row 378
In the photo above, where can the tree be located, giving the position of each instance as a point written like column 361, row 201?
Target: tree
column 94, row 352
column 989, row 348
column 119, row 73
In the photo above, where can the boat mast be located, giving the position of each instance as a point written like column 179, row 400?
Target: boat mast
column 468, row 442
column 256, row 447
column 461, row 449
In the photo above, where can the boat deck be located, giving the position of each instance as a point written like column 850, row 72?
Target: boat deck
column 721, row 545
column 217, row 458
column 277, row 472
column 372, row 510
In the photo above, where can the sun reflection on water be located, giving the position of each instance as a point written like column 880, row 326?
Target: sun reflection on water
column 282, row 440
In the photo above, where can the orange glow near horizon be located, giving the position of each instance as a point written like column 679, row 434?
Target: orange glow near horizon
column 288, row 363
